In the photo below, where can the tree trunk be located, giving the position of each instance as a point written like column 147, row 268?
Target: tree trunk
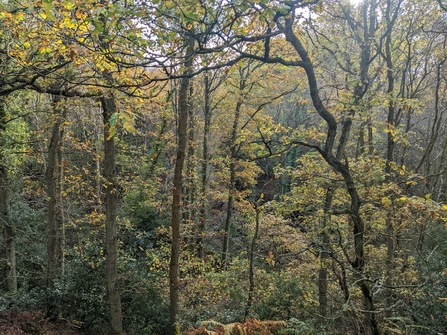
column 391, row 121
column 251, row 256
column 389, row 160
column 227, row 228
column 109, row 108
column 191, row 167
column 177, row 193
column 5, row 217
column 204, row 171
column 54, row 219
column 324, row 257
column 437, row 120
column 99, row 124
column 358, row 265
column 231, row 187
column 244, row 72
column 361, row 142
column 60, row 181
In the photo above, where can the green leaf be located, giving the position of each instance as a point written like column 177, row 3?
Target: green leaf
column 48, row 9
column 113, row 119
column 99, row 28
column 191, row 17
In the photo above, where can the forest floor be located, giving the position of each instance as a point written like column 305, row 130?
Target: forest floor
column 35, row 324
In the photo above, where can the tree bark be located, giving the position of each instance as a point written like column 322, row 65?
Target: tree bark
column 60, row 181
column 230, row 201
column 389, row 160
column 251, row 256
column 391, row 121
column 5, row 216
column 324, row 257
column 54, row 218
column 191, row 167
column 243, row 72
column 116, row 324
column 177, row 192
column 204, row 170
column 231, row 187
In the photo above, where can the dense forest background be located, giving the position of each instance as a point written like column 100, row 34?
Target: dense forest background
column 216, row 166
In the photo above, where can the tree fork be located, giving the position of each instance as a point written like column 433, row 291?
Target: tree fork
column 335, row 162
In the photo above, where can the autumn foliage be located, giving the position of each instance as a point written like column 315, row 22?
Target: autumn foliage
column 165, row 163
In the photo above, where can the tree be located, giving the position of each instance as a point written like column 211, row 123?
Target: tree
column 242, row 92
column 211, row 82
column 182, row 140
column 8, row 230
column 111, row 189
column 54, row 211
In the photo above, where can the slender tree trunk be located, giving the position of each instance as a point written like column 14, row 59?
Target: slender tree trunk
column 5, row 217
column 325, row 238
column 231, row 187
column 251, row 275
column 361, row 142
column 324, row 256
column 391, row 121
column 99, row 124
column 177, row 193
column 8, row 231
column 437, row 120
column 358, row 264
column 244, row 73
column 109, row 108
column 54, row 220
column 191, row 166
column 61, row 207
column 390, row 234
column 227, row 228
column 204, row 171
column 370, row 136
column 157, row 147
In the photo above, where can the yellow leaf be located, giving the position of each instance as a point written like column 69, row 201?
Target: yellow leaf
column 69, row 5
column 386, row 201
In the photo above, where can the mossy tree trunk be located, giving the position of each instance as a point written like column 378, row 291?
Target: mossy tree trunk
column 176, row 211
column 5, row 216
column 54, row 210
column 111, row 190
